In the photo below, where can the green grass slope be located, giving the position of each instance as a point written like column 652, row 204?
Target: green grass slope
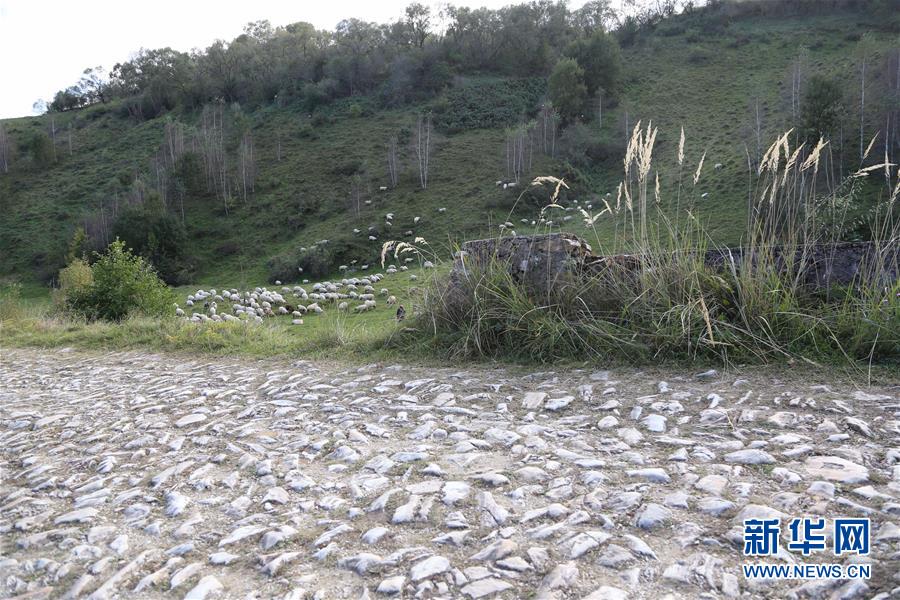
column 681, row 75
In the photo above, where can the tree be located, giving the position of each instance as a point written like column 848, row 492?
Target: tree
column 596, row 15
column 567, row 89
column 418, row 18
column 601, row 60
column 822, row 107
column 393, row 164
column 246, row 165
column 40, row 147
column 156, row 235
column 92, row 86
column 423, row 147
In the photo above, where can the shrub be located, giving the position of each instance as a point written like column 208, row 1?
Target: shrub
column 157, row 236
column 567, row 89
column 122, row 285
column 40, row 147
column 74, row 279
column 483, row 105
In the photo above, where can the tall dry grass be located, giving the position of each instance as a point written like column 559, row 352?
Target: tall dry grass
column 666, row 301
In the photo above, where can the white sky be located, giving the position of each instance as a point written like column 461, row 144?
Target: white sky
column 46, row 44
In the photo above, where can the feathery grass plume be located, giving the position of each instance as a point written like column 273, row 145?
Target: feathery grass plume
column 864, row 172
column 813, row 158
column 699, row 168
column 869, row 147
column 681, row 148
column 663, row 300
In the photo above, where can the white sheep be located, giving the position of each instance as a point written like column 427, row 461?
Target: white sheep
column 342, row 307
column 392, row 300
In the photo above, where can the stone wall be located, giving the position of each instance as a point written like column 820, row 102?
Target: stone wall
column 544, row 262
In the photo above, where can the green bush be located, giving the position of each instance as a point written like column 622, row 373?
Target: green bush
column 567, row 89
column 484, row 105
column 122, row 285
column 157, row 236
column 74, row 279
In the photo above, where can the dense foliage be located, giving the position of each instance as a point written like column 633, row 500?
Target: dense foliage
column 400, row 62
column 156, row 235
column 120, row 284
column 494, row 104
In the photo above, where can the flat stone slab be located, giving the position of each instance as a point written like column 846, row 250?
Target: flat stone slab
column 835, row 468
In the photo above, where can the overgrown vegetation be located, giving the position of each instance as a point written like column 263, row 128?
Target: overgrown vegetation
column 120, row 284
column 667, row 301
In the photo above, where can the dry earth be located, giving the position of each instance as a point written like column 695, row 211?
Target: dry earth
column 137, row 475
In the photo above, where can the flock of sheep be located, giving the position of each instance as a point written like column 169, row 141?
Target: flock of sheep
column 254, row 306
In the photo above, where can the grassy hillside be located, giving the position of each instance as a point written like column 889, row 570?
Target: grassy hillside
column 683, row 74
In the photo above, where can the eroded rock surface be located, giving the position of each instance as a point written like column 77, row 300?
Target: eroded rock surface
column 138, row 475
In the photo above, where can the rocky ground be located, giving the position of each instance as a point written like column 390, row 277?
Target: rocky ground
column 135, row 475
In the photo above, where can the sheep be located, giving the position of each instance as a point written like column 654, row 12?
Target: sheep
column 383, row 292
column 372, row 238
column 282, row 310
column 718, row 166
column 315, row 308
column 296, row 321
column 382, row 188
column 416, row 219
column 179, row 312
column 442, row 209
column 343, row 307
column 413, row 277
column 392, row 300
column 428, row 264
